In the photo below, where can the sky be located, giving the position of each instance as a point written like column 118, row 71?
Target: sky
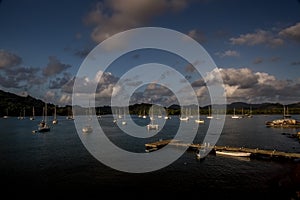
column 255, row 46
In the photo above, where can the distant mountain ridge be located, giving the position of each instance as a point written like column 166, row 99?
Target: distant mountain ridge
column 14, row 104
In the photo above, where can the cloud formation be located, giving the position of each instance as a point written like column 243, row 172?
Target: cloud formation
column 257, row 38
column 113, row 16
column 292, row 32
column 228, row 53
column 8, row 59
column 245, row 85
column 54, row 67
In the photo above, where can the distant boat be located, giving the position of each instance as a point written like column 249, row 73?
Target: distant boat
column 234, row 153
column 88, row 128
column 152, row 126
column 70, row 114
column 234, row 116
column 144, row 115
column 209, row 116
column 286, row 112
column 184, row 117
column 167, row 117
column 201, row 153
column 43, row 126
column 199, row 120
column 99, row 114
column 33, row 114
column 54, row 121
column 22, row 116
column 6, row 116
column 124, row 122
column 249, row 115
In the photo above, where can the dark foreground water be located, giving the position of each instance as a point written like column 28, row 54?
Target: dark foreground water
column 57, row 162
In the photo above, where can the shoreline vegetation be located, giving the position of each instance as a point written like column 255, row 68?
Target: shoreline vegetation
column 12, row 104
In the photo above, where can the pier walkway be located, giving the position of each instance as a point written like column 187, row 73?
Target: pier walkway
column 254, row 152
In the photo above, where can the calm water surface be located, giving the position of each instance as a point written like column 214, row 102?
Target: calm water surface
column 58, row 161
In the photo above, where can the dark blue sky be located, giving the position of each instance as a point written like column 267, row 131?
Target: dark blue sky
column 256, row 44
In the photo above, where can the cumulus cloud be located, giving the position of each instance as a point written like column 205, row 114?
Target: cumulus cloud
column 248, row 86
column 257, row 38
column 8, row 59
column 54, row 67
column 292, row 32
column 113, row 16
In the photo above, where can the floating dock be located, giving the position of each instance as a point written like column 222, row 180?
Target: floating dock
column 259, row 153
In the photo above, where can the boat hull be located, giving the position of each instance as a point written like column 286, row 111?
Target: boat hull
column 233, row 153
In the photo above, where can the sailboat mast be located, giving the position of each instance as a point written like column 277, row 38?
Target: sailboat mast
column 45, row 112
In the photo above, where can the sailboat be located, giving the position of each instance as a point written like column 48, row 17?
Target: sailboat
column 43, row 126
column 99, row 114
column 199, row 120
column 209, row 116
column 33, row 114
column 144, row 115
column 22, row 116
column 234, row 116
column 54, row 121
column 70, row 114
column 88, row 128
column 152, row 126
column 286, row 112
column 184, row 117
column 124, row 118
column 6, row 116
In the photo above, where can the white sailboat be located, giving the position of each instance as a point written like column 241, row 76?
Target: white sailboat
column 88, row 127
column 33, row 114
column 124, row 118
column 54, row 121
column 199, row 120
column 152, row 126
column 6, row 116
column 209, row 116
column 43, row 126
column 234, row 116
column 184, row 117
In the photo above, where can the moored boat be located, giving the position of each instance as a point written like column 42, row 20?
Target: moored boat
column 234, row 153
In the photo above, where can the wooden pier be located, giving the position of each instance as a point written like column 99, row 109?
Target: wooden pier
column 255, row 153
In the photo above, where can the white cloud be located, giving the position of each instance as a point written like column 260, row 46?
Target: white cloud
column 255, row 87
column 257, row 38
column 292, row 32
